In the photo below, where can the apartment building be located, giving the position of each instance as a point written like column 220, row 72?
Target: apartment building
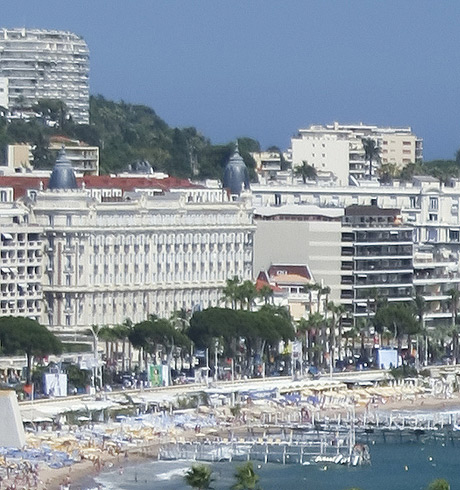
column 337, row 149
column 44, row 64
column 429, row 207
column 377, row 258
column 84, row 158
column 21, row 263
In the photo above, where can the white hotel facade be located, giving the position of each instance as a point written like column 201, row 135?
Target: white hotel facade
column 88, row 262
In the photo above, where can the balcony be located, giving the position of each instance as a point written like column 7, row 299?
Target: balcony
column 436, row 278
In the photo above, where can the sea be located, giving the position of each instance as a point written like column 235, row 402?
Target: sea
column 394, row 466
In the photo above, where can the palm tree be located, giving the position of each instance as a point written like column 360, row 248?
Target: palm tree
column 338, row 312
column 306, row 171
column 247, row 294
column 421, row 308
column 246, row 477
column 310, row 327
column 387, row 172
column 266, row 293
column 121, row 333
column 371, row 153
column 199, row 476
column 230, row 291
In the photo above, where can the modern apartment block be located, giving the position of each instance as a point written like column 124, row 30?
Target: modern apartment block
column 377, row 258
column 21, row 263
column 436, row 275
column 338, row 150
column 44, row 64
column 429, row 207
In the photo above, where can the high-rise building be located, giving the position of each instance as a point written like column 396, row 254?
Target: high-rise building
column 44, row 64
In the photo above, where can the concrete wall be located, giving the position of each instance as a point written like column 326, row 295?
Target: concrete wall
column 315, row 243
column 11, row 428
column 326, row 155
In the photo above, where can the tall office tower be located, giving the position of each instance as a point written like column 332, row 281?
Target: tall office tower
column 44, row 64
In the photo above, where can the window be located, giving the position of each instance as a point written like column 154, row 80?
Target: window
column 433, row 204
column 413, row 201
column 432, row 217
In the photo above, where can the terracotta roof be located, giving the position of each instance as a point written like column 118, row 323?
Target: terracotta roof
column 21, row 184
column 260, row 284
column 300, row 270
column 290, row 279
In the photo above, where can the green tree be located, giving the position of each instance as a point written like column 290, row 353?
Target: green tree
column 388, row 172
column 246, row 477
column 42, row 158
column 266, row 294
column 54, row 110
column 397, row 318
column 306, row 171
column 199, row 476
column 230, row 291
column 258, row 330
column 310, row 329
column 439, row 484
column 371, row 153
column 154, row 333
column 20, row 335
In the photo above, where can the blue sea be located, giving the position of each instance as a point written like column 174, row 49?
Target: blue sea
column 406, row 466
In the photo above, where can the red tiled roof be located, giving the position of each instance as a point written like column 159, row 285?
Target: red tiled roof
column 21, row 184
column 260, row 284
column 299, row 270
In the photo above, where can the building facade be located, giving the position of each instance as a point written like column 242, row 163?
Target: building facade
column 21, row 263
column 337, row 149
column 307, row 235
column 44, row 64
column 377, row 258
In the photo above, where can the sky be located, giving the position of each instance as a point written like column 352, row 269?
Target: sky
column 264, row 69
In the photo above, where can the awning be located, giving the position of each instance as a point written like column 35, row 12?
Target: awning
column 5, row 270
column 22, row 285
column 7, row 236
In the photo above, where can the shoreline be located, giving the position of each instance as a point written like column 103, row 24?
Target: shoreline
column 81, row 475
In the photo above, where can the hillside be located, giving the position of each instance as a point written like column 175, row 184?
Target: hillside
column 126, row 133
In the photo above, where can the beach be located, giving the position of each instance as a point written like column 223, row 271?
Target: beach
column 80, row 453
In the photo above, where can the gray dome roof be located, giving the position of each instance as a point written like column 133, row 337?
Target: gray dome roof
column 236, row 174
column 63, row 176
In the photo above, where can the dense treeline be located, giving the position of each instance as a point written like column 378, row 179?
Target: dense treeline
column 125, row 134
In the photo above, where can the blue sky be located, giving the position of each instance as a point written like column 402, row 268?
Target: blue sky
column 266, row 68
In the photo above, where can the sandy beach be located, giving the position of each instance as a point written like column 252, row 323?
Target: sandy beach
column 99, row 449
